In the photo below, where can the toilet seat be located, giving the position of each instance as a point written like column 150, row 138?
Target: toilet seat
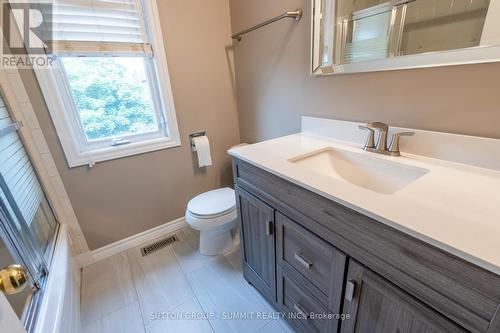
column 213, row 216
column 219, row 222
column 213, row 204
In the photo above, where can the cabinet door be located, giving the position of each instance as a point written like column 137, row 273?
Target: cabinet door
column 257, row 243
column 377, row 306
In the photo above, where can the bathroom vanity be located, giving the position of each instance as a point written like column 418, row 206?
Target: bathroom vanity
column 340, row 256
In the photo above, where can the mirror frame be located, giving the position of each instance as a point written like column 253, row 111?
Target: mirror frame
column 472, row 55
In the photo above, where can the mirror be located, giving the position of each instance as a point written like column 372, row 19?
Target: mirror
column 351, row 36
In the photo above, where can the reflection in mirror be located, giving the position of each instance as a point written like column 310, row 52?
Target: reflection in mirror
column 355, row 31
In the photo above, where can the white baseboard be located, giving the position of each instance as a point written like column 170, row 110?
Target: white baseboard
column 88, row 258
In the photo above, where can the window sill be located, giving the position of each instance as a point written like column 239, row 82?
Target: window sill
column 115, row 152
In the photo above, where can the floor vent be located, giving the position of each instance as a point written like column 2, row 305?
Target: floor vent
column 147, row 250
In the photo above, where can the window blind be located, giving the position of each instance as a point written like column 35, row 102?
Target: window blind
column 119, row 21
column 370, row 38
column 17, row 171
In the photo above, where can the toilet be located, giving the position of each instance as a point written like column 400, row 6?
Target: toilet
column 213, row 213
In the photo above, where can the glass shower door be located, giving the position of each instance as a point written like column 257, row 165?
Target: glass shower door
column 28, row 226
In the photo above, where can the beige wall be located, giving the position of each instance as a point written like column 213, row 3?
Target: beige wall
column 274, row 87
column 119, row 198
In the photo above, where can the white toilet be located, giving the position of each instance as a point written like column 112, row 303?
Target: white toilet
column 213, row 213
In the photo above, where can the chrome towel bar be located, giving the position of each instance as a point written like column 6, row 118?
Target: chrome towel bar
column 297, row 15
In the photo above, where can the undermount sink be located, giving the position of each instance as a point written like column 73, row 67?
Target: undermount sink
column 361, row 169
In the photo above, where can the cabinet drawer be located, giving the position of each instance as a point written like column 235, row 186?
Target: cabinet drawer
column 301, row 308
column 320, row 263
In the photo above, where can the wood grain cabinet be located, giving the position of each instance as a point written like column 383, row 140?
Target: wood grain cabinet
column 313, row 258
column 257, row 243
column 377, row 306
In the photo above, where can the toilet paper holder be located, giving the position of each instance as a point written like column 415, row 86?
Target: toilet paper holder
column 194, row 135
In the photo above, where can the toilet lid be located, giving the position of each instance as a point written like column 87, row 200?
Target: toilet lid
column 213, row 203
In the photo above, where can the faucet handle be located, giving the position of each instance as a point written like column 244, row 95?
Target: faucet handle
column 394, row 148
column 370, row 140
column 378, row 125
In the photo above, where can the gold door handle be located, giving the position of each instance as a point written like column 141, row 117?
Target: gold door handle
column 13, row 279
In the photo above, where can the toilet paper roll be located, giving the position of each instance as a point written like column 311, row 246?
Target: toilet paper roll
column 202, row 148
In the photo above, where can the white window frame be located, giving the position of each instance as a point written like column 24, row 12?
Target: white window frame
column 56, row 90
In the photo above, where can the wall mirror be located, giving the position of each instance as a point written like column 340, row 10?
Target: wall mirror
column 352, row 36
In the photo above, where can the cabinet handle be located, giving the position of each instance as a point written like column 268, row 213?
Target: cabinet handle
column 350, row 286
column 303, row 261
column 269, row 228
column 300, row 311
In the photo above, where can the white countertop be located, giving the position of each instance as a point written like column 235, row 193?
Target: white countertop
column 455, row 207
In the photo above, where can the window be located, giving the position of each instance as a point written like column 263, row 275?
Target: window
column 370, row 31
column 109, row 92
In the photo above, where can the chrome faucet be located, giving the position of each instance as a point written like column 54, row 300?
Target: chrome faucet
column 381, row 147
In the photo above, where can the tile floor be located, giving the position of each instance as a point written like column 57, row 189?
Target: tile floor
column 172, row 290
